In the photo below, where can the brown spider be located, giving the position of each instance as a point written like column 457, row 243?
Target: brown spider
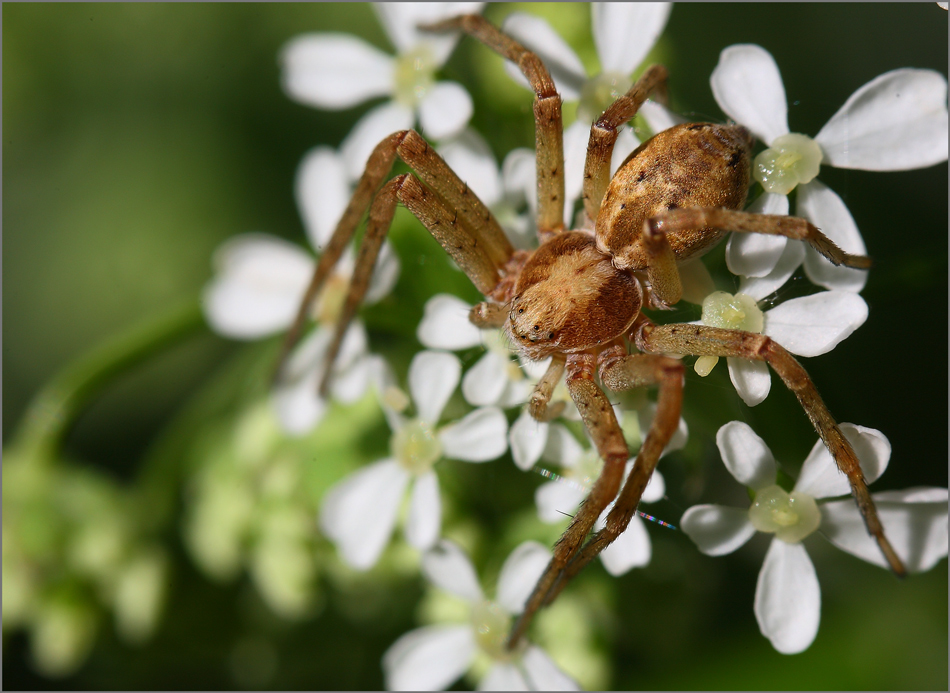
column 578, row 297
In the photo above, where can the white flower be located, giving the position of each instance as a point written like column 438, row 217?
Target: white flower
column 261, row 279
column 807, row 326
column 558, row 499
column 360, row 512
column 623, row 34
column 433, row 657
column 895, row 122
column 495, row 379
column 787, row 595
column 336, row 71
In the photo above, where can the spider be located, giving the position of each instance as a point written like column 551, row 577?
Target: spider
column 578, row 298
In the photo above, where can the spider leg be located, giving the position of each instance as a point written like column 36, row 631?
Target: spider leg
column 601, row 423
column 488, row 315
column 661, row 261
column 674, row 220
column 700, row 340
column 451, row 212
column 620, row 371
column 603, row 134
column 539, row 407
column 549, row 136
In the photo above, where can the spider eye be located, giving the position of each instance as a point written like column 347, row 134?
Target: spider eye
column 551, row 336
column 521, row 310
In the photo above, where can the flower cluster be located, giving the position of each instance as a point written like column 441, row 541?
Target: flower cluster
column 897, row 121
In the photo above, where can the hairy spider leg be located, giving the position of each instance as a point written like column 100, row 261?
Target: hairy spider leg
column 549, row 130
column 604, row 132
column 701, row 340
column 445, row 205
column 618, row 371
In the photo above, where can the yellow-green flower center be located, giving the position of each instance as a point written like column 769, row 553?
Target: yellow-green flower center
column 413, row 75
column 587, row 470
column 416, row 446
column 491, row 624
column 732, row 312
column 327, row 308
column 789, row 516
column 599, row 92
column 792, row 159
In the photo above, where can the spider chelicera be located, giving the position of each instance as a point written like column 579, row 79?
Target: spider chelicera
column 578, row 297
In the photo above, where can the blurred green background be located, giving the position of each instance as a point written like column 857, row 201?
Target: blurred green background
column 138, row 137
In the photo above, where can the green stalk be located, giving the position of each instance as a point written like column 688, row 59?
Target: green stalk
column 55, row 407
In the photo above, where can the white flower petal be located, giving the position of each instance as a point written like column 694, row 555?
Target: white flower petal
column 655, row 490
column 562, row 62
column 503, row 677
column 334, row 71
column 562, row 447
column 518, row 173
column 820, row 476
column 469, row 155
column 376, row 124
column 528, row 438
column 433, row 377
column 429, row 659
column 424, row 521
column 716, row 529
column 752, row 379
column 543, row 674
column 258, row 285
column 822, row 207
column 748, row 88
column 445, row 110
column 659, row 117
column 401, row 21
column 814, row 325
column 576, row 138
column 557, row 500
column 449, row 569
column 746, row 455
column 296, row 403
column 624, row 32
column 645, row 416
column 359, row 513
column 632, row 549
column 788, row 598
column 350, row 384
column 445, row 324
column 385, row 274
column 520, row 573
column 322, row 193
column 915, row 522
column 895, row 122
column 481, row 436
column 760, row 287
column 756, row 254
column 485, row 382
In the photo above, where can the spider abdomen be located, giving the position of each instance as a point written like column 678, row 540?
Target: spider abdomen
column 570, row 297
column 689, row 165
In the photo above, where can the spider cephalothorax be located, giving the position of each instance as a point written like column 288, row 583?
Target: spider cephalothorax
column 578, row 298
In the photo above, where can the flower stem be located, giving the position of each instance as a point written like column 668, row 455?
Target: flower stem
column 55, row 407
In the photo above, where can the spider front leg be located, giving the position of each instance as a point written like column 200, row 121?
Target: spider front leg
column 601, row 423
column 700, row 340
column 603, row 134
column 451, row 212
